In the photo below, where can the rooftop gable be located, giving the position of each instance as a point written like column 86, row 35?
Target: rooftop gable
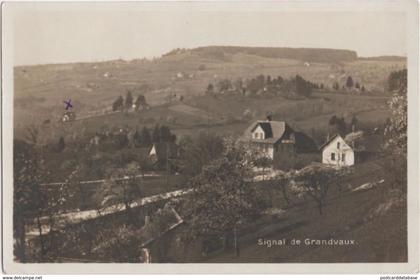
column 332, row 139
column 274, row 131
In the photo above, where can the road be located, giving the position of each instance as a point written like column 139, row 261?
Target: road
column 62, row 220
column 146, row 175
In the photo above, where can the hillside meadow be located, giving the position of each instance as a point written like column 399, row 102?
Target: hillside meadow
column 41, row 89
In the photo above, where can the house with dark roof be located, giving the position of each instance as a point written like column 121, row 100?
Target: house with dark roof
column 276, row 139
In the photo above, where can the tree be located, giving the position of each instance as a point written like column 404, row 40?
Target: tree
column 396, row 130
column 27, row 198
column 303, row 87
column 118, row 104
column 349, row 82
column 146, row 138
column 121, row 140
column 137, row 139
column 397, row 80
column 357, row 85
column 316, row 181
column 279, row 80
column 128, row 100
column 269, row 80
column 210, row 89
column 363, row 89
column 166, row 135
column 156, row 138
column 140, row 101
column 199, row 151
column 281, row 182
column 337, row 125
column 222, row 197
column 123, row 186
column 336, row 86
column 354, row 122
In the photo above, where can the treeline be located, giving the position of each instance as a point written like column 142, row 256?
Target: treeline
column 129, row 138
column 350, row 85
column 265, row 85
column 338, row 125
column 129, row 103
column 148, row 136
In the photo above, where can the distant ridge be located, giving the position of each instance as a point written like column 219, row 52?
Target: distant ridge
column 385, row 58
column 303, row 54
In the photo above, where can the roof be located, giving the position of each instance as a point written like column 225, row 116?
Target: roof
column 267, row 129
column 164, row 149
column 278, row 130
column 273, row 129
column 304, row 143
column 330, row 140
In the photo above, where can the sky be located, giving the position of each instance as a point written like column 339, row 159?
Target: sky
column 43, row 36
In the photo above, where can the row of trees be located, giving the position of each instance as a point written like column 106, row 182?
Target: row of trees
column 350, row 84
column 265, row 85
column 148, row 136
column 121, row 104
column 338, row 125
column 275, row 86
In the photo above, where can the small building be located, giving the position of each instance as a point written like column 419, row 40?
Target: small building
column 337, row 152
column 162, row 153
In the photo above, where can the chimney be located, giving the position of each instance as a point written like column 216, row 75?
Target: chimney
column 328, row 136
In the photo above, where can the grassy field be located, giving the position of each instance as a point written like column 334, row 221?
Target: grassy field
column 228, row 115
column 40, row 90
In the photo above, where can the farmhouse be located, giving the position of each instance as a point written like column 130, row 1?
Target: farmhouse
column 337, row 152
column 278, row 141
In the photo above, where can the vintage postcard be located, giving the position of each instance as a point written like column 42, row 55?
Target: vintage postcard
column 210, row 137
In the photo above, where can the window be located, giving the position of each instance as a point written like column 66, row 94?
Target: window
column 338, row 145
column 332, row 156
column 343, row 157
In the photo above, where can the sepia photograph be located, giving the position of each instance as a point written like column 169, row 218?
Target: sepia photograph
column 209, row 133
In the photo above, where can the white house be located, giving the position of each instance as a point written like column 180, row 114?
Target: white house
column 337, row 152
